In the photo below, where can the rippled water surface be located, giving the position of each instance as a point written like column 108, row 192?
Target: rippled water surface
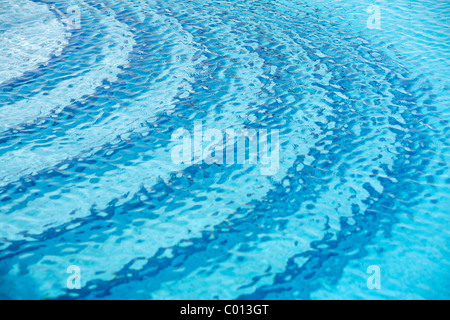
column 87, row 179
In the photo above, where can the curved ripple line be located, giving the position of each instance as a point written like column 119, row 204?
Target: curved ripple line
column 120, row 43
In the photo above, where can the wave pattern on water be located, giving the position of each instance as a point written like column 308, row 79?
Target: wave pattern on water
column 87, row 179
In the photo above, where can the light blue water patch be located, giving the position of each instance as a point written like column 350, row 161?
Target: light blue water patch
column 87, row 176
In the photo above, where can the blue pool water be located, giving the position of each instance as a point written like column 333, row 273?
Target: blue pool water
column 87, row 178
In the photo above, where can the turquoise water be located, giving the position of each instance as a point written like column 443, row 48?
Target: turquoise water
column 87, row 178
